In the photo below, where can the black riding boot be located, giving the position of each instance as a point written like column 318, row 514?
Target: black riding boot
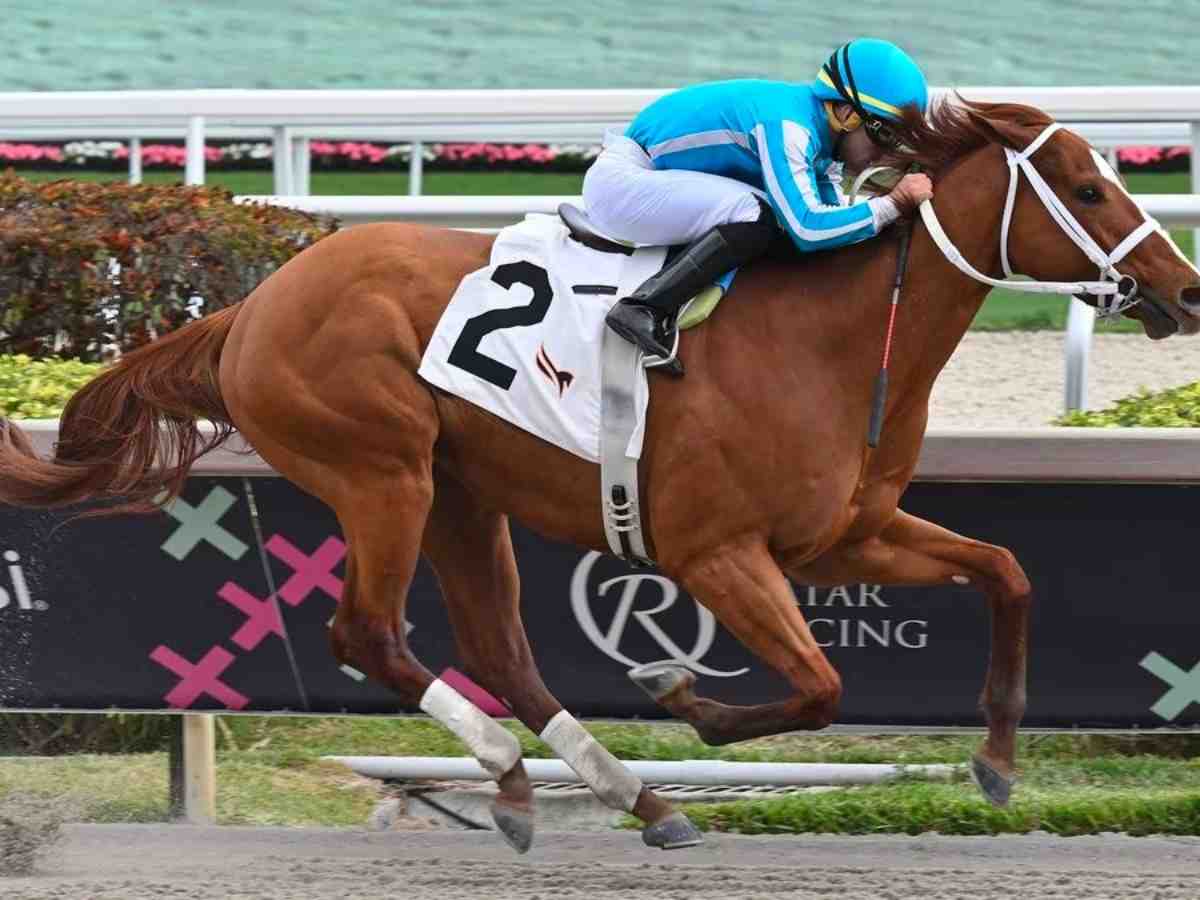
column 647, row 316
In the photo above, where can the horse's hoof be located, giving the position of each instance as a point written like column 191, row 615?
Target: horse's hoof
column 515, row 824
column 674, row 832
column 996, row 787
column 660, row 679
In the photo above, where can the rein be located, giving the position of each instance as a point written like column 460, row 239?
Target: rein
column 1114, row 293
column 879, row 400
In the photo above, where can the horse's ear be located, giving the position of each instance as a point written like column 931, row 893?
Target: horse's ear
column 1010, row 130
column 1009, row 134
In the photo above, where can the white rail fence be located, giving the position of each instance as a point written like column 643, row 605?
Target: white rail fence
column 1173, row 210
column 1108, row 116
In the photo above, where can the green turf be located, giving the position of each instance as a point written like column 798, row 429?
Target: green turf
column 362, row 183
column 271, row 772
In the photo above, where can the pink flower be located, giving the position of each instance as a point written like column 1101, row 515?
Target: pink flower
column 1139, row 156
column 29, row 152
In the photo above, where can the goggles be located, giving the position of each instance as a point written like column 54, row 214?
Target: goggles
column 880, row 131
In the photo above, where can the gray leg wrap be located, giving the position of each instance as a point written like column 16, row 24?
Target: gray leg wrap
column 600, row 770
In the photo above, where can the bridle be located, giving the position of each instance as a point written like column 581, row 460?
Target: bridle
column 1114, row 293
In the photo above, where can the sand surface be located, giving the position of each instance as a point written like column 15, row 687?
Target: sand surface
column 160, row 861
column 1017, row 379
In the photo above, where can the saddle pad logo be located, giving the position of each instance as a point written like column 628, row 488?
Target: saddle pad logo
column 561, row 380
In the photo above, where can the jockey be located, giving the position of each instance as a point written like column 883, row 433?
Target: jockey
column 722, row 166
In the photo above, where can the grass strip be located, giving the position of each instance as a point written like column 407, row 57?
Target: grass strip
column 958, row 809
column 252, row 789
column 361, row 183
column 279, row 780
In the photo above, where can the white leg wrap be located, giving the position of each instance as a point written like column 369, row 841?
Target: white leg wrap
column 495, row 747
column 600, row 770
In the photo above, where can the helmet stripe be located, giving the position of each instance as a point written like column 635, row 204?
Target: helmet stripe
column 823, row 76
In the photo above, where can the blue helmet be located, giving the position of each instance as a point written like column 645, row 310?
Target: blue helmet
column 876, row 77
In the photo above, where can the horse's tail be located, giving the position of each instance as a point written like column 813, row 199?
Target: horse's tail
column 130, row 435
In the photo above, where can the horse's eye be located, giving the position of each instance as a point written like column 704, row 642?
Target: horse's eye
column 1089, row 193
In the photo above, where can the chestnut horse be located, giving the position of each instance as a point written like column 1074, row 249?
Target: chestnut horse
column 755, row 466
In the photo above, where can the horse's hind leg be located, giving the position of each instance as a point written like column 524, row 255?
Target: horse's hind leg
column 471, row 550
column 383, row 519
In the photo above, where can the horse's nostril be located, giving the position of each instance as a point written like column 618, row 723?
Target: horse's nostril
column 1190, row 298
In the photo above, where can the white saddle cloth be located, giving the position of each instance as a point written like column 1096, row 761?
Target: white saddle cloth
column 521, row 337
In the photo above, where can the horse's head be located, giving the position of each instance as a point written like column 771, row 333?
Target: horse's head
column 1072, row 218
column 1168, row 283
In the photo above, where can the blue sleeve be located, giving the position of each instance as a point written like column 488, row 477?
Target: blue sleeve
column 795, row 193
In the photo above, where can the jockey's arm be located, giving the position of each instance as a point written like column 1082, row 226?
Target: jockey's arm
column 799, row 194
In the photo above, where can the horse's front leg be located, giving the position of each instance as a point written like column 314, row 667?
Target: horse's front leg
column 745, row 589
column 911, row 551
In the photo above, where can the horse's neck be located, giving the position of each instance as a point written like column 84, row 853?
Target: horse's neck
column 938, row 302
column 812, row 314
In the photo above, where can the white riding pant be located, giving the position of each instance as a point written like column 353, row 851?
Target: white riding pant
column 629, row 200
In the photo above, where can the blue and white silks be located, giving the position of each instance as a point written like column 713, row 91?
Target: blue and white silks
column 771, row 136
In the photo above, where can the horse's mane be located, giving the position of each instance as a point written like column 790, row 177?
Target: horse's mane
column 954, row 128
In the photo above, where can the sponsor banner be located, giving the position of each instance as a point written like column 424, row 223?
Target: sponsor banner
column 173, row 611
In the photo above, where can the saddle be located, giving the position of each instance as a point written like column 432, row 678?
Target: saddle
column 584, row 232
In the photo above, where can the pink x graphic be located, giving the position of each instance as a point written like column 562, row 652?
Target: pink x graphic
column 309, row 572
column 473, row 692
column 200, row 678
column 262, row 617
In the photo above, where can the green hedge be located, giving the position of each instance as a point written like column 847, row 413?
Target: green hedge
column 39, row 388
column 87, row 266
column 1174, row 408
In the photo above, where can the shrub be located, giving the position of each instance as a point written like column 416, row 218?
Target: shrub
column 1174, row 408
column 40, row 388
column 84, row 265
column 51, row 734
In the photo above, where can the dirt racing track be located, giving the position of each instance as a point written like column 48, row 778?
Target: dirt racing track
column 106, row 862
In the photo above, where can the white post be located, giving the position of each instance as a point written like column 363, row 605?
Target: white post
column 194, row 174
column 416, row 168
column 301, row 167
column 1195, row 164
column 284, row 180
column 200, row 768
column 1081, row 322
column 135, row 160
